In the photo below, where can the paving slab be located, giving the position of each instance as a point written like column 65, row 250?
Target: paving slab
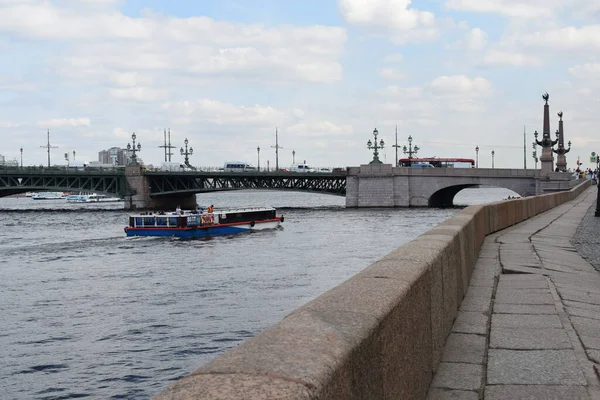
column 541, row 283
column 481, row 292
column 524, row 309
column 583, row 306
column 464, row 348
column 586, row 326
column 529, row 339
column 507, row 296
column 475, row 304
column 533, row 367
column 530, row 392
column 459, row 376
column 449, row 394
column 525, row 321
column 471, row 322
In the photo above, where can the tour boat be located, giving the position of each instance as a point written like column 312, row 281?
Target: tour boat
column 194, row 224
column 91, row 198
column 48, row 196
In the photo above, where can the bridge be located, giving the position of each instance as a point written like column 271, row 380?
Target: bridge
column 380, row 185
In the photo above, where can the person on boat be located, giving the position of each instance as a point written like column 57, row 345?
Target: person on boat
column 178, row 211
column 210, row 209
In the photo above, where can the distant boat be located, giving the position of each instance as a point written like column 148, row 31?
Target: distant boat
column 92, row 198
column 29, row 194
column 48, row 196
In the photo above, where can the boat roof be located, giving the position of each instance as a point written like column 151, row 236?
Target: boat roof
column 216, row 211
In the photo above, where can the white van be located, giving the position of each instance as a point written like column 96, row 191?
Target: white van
column 238, row 166
column 302, row 168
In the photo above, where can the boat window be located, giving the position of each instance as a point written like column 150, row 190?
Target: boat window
column 149, row 221
column 161, row 221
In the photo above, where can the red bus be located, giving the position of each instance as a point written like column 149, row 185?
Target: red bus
column 437, row 162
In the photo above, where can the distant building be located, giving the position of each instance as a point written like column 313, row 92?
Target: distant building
column 114, row 156
column 8, row 163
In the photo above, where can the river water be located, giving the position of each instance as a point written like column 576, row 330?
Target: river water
column 89, row 313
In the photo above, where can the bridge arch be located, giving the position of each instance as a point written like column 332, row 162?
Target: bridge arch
column 445, row 197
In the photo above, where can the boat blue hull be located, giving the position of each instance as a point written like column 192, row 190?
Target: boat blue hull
column 186, row 233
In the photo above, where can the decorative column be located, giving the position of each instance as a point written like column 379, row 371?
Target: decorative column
column 561, row 159
column 547, row 159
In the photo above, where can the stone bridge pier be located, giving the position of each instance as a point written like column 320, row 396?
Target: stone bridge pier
column 139, row 198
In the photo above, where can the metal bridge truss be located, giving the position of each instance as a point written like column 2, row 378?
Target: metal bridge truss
column 163, row 184
column 14, row 182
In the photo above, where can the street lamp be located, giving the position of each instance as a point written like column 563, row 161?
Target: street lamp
column 258, row 154
column 493, row 152
column 534, row 154
column 477, row 157
column 186, row 152
column 375, row 147
column 293, row 156
column 21, row 157
column 133, row 149
column 410, row 150
column 73, row 155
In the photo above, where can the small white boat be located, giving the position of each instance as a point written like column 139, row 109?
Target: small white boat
column 48, row 196
column 92, row 198
column 193, row 225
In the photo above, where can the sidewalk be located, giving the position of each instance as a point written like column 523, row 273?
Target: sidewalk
column 529, row 326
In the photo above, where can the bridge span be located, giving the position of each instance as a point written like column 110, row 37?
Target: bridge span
column 379, row 185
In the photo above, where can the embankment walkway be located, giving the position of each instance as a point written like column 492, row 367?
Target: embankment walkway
column 529, row 325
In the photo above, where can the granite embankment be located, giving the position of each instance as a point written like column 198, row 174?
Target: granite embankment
column 378, row 335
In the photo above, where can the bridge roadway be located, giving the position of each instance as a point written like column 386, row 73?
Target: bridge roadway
column 365, row 186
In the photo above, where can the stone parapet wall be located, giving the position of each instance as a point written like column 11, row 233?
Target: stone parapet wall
column 378, row 335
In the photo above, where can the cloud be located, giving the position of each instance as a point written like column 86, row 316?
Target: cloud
column 476, row 39
column 458, row 84
column 394, row 17
column 219, row 113
column 320, row 129
column 391, row 73
column 510, row 8
column 139, row 94
column 393, row 58
column 109, row 43
column 496, row 58
column 64, row 122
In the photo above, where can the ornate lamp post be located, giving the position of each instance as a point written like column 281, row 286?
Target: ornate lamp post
column 477, row 157
column 21, row 157
column 493, row 153
column 258, row 154
column 293, row 156
column 186, row 153
column 74, row 155
column 410, row 150
column 133, row 149
column 375, row 147
column 534, row 154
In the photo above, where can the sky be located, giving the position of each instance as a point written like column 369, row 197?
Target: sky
column 451, row 74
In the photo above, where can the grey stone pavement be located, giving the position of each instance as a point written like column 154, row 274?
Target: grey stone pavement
column 529, row 325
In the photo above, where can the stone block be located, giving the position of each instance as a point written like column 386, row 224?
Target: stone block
column 479, row 304
column 449, row 394
column 518, row 296
column 529, row 339
column 525, row 321
column 546, row 392
column 533, row 367
column 464, row 348
column 235, row 386
column 471, row 322
column 524, row 309
column 458, row 376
